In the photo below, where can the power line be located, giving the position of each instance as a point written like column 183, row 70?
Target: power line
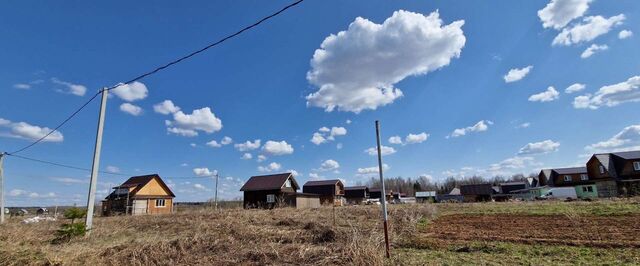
column 160, row 68
column 103, row 172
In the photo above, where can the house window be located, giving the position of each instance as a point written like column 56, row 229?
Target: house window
column 567, row 178
column 271, row 198
column 636, row 166
column 584, row 177
column 590, row 189
column 160, row 203
column 601, row 169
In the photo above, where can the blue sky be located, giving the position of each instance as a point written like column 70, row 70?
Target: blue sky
column 437, row 70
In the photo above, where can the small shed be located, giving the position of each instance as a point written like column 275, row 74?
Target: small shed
column 425, row 196
column 330, row 191
column 356, row 195
column 307, row 201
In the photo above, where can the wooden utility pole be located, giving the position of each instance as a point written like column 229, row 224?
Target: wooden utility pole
column 2, row 154
column 96, row 163
column 215, row 197
column 383, row 198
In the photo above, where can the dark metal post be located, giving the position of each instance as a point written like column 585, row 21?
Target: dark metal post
column 383, row 196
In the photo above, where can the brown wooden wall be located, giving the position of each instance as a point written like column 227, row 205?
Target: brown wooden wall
column 593, row 167
column 152, row 209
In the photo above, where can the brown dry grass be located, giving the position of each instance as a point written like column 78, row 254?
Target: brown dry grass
column 225, row 237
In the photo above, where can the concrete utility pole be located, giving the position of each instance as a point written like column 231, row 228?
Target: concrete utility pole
column 215, row 198
column 383, row 198
column 96, row 163
column 2, row 187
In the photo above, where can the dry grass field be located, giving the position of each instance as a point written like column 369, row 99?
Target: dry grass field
column 558, row 233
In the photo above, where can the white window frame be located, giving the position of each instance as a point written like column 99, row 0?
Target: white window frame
column 636, row 165
column 271, row 198
column 567, row 178
column 164, row 203
column 601, row 169
column 584, row 177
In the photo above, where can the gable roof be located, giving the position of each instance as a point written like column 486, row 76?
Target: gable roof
column 628, row 155
column 356, row 188
column 269, row 182
column 138, row 182
column 331, row 182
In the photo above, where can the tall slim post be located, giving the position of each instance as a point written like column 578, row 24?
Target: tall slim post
column 96, row 163
column 1, row 187
column 216, row 194
column 383, row 196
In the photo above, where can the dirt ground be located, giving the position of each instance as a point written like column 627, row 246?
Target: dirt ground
column 591, row 231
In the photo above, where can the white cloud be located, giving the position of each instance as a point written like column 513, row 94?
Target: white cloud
column 131, row 109
column 270, row 167
column 339, row 146
column 188, row 124
column 590, row 28
column 17, row 192
column 516, row 74
column 416, row 138
column 611, row 95
column 558, row 13
column 248, row 145
column 112, row 169
column 226, row 140
column 193, row 145
column 214, row 144
column 623, row 34
column 199, row 187
column 482, row 125
column 166, row 107
column 524, row 125
column 372, row 169
column 348, row 121
column 539, row 147
column 204, row 171
column 25, row 130
column 75, row 89
column 69, row 181
column 315, row 176
column 551, row 94
column 329, row 165
column 384, row 150
column 131, row 92
column 395, row 140
column 357, row 69
column 277, row 148
column 22, row 86
column 261, row 158
column 247, row 156
column 592, row 50
column 338, row 131
column 294, row 173
column 627, row 139
column 510, row 164
column 576, row 87
column 318, row 139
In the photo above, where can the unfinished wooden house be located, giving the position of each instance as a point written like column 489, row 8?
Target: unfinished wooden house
column 277, row 190
column 329, row 191
column 146, row 194
column 615, row 174
column 356, row 195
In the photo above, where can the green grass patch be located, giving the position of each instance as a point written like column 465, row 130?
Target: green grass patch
column 600, row 208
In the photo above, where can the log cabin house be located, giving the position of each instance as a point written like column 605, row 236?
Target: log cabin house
column 356, row 195
column 330, row 191
column 276, row 190
column 146, row 194
column 615, row 174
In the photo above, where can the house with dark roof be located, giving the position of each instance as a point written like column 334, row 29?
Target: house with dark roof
column 276, row 190
column 146, row 194
column 330, row 191
column 477, row 192
column 616, row 173
column 356, row 195
column 564, row 177
column 376, row 193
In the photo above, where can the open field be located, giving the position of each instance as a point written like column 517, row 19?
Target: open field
column 601, row 232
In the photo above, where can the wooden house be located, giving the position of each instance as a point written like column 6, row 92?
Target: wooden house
column 615, row 174
column 376, row 193
column 277, row 190
column 564, row 177
column 146, row 194
column 356, row 195
column 330, row 191
column 477, row 192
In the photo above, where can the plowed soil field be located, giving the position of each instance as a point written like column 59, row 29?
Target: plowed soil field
column 590, row 231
